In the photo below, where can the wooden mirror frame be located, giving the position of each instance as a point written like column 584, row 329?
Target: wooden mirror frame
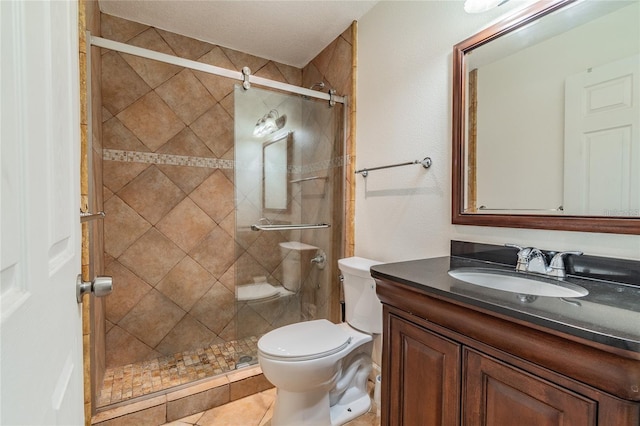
column 615, row 225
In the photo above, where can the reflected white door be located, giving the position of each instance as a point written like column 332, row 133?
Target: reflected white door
column 602, row 140
column 40, row 325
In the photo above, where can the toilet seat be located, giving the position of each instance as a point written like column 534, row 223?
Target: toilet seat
column 304, row 341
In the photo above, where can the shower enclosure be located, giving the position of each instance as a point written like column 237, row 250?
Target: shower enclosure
column 215, row 232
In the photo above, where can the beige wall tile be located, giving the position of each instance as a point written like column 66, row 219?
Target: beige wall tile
column 186, row 283
column 123, row 226
column 152, row 72
column 152, row 256
column 119, row 29
column 151, row 120
column 212, row 309
column 188, row 334
column 185, row 47
column 216, row 253
column 240, row 60
column 121, row 86
column 186, row 225
column 152, row 194
column 219, row 87
column 215, row 196
column 152, row 318
column 116, row 136
column 186, row 96
column 128, row 290
column 117, row 175
column 215, row 128
column 124, row 348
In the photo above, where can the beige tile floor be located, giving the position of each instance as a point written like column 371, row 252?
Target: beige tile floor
column 254, row 410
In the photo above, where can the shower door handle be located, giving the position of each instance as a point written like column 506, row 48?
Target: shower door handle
column 260, row 227
column 87, row 216
column 101, row 286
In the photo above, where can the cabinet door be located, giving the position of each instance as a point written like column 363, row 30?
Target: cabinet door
column 498, row 394
column 424, row 382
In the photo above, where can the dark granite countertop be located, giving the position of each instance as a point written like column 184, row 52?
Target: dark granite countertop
column 609, row 314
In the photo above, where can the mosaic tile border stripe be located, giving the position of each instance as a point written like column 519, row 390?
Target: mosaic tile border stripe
column 211, row 163
column 170, row 159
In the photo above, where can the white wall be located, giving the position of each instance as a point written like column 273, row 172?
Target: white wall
column 403, row 114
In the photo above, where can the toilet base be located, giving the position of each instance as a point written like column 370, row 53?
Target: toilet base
column 301, row 408
column 316, row 411
column 341, row 414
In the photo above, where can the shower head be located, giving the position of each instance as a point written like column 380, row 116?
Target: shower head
column 320, row 85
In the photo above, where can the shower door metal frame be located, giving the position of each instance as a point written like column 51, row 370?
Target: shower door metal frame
column 211, row 69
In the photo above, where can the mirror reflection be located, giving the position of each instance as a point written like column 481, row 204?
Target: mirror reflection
column 275, row 164
column 553, row 115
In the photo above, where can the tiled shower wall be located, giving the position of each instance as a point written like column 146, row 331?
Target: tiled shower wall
column 169, row 191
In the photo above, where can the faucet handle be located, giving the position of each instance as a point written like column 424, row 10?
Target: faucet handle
column 557, row 263
column 523, row 256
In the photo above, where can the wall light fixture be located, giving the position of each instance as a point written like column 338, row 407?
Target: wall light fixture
column 269, row 123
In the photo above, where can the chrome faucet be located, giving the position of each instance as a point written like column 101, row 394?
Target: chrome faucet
column 531, row 259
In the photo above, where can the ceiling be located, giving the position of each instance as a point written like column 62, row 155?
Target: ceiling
column 291, row 32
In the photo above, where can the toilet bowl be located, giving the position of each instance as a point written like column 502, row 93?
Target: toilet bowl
column 320, row 369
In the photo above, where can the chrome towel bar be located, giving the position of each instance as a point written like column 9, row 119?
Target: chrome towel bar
column 309, row 178
column 258, row 227
column 485, row 208
column 426, row 163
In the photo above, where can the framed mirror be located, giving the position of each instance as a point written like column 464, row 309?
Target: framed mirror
column 546, row 119
column 276, row 159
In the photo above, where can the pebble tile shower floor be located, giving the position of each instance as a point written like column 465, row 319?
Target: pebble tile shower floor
column 133, row 380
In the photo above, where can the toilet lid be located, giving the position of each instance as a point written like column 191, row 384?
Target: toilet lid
column 304, row 340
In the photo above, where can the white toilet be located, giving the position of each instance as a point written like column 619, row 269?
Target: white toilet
column 320, row 369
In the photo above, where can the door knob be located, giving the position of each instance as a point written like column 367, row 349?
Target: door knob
column 100, row 287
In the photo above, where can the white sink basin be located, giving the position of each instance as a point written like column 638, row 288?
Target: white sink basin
column 517, row 283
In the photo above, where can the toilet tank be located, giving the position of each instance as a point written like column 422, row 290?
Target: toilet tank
column 363, row 309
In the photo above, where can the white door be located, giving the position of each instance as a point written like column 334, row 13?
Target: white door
column 602, row 140
column 40, row 321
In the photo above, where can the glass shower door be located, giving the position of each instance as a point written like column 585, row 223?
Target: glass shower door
column 288, row 182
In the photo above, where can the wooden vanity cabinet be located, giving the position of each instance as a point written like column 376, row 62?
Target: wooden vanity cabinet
column 424, row 378
column 432, row 375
